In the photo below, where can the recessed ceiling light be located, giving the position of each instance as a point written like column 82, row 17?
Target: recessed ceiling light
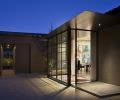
column 99, row 25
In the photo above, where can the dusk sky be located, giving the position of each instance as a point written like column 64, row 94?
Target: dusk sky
column 37, row 16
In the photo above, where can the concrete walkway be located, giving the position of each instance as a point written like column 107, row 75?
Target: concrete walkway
column 100, row 89
column 35, row 87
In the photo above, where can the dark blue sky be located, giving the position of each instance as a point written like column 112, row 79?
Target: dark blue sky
column 38, row 15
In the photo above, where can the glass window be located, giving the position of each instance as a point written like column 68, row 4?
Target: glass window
column 58, row 56
column 64, row 37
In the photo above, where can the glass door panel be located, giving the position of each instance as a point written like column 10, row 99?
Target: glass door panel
column 83, row 56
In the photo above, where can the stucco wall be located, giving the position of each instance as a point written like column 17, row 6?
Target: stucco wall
column 93, row 73
column 31, row 53
column 109, row 55
column 22, row 58
column 38, row 56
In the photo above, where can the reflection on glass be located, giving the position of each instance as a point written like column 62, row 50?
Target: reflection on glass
column 80, row 56
column 7, row 56
column 57, row 57
column 83, row 56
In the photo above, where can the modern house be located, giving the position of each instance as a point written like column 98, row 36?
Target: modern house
column 84, row 49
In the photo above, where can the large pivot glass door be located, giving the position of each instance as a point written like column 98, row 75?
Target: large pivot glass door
column 83, row 56
column 80, row 56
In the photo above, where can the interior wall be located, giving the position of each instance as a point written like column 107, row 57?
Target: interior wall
column 73, row 57
column 109, row 55
column 73, row 52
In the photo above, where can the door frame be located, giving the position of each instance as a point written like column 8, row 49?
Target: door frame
column 1, row 55
column 94, row 49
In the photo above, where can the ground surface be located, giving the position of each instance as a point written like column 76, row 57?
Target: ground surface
column 37, row 87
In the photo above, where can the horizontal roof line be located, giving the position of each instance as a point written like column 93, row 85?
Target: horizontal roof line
column 21, row 33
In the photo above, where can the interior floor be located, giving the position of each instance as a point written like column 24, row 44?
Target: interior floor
column 82, row 77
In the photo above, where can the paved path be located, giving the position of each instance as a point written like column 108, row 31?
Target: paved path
column 35, row 87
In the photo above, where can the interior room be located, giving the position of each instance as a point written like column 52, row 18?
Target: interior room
column 80, row 57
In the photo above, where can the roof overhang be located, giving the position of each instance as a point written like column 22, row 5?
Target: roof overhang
column 89, row 21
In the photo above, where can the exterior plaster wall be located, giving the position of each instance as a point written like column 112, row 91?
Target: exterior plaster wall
column 22, row 63
column 93, row 74
column 109, row 55
column 31, row 53
column 38, row 56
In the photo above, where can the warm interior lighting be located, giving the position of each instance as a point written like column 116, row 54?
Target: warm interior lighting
column 8, row 46
column 14, row 47
column 99, row 25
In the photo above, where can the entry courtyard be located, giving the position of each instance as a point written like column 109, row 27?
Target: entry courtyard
column 39, row 87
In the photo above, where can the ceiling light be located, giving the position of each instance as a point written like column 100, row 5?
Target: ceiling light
column 99, row 25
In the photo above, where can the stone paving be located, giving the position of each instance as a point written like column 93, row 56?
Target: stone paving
column 100, row 89
column 37, row 87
